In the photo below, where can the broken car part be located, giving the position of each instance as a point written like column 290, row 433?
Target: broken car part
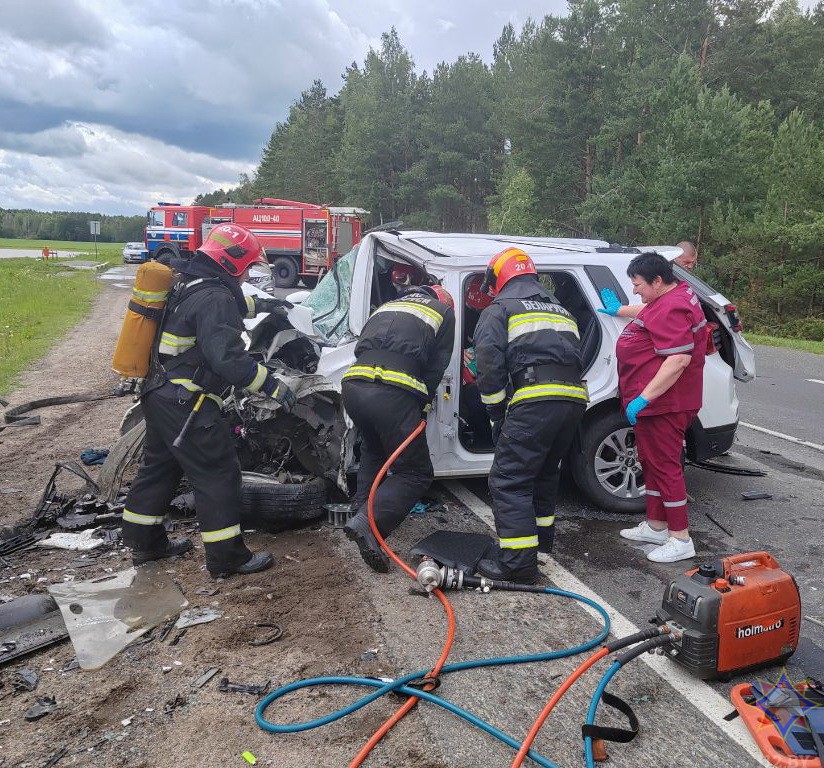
column 227, row 687
column 44, row 705
column 205, row 677
column 105, row 615
column 14, row 416
column 27, row 624
column 193, row 616
column 24, row 680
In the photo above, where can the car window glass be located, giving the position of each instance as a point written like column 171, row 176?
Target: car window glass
column 179, row 219
column 330, row 300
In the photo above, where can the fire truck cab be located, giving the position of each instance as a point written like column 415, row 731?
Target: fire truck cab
column 302, row 240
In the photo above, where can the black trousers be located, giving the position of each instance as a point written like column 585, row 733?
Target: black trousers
column 386, row 415
column 525, row 475
column 208, row 459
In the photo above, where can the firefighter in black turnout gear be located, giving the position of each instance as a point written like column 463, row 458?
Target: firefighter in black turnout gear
column 198, row 353
column 401, row 357
column 529, row 375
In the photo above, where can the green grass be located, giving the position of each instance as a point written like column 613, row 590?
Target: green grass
column 38, row 307
column 111, row 252
column 816, row 347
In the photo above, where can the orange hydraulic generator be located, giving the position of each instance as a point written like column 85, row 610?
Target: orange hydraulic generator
column 732, row 614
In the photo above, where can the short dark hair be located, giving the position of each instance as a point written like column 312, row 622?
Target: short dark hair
column 650, row 265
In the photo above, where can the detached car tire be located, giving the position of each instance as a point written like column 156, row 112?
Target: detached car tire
column 274, row 506
column 606, row 469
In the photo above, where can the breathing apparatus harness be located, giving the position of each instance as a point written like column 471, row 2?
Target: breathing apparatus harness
column 420, row 685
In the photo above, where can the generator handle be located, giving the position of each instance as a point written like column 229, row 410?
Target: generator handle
column 763, row 558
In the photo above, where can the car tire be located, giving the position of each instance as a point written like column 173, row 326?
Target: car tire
column 274, row 506
column 309, row 281
column 606, row 468
column 285, row 272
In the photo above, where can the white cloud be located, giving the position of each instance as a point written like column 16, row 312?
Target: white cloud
column 108, row 170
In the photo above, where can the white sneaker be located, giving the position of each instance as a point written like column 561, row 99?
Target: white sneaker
column 672, row 550
column 644, row 532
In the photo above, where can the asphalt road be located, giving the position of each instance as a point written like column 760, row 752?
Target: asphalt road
column 789, row 525
column 787, row 395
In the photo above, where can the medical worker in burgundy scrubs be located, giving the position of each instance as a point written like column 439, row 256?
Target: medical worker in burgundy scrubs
column 660, row 377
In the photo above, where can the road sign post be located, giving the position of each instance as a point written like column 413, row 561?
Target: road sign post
column 94, row 226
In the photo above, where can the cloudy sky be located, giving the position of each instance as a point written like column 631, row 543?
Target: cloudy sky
column 111, row 105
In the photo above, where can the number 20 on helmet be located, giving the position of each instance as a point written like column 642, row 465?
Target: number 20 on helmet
column 505, row 265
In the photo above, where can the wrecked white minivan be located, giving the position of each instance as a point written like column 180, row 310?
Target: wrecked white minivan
column 314, row 349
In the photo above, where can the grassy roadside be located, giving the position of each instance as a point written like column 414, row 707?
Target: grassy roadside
column 816, row 347
column 110, row 252
column 40, row 303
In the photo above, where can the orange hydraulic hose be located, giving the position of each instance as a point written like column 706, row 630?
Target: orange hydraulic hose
column 550, row 705
column 450, row 616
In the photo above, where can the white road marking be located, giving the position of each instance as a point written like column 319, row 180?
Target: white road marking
column 816, row 381
column 792, row 439
column 704, row 698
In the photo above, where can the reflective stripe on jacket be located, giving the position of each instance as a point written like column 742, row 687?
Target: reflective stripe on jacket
column 526, row 327
column 406, row 343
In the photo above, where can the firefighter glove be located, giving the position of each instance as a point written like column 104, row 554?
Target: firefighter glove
column 611, row 302
column 271, row 305
column 497, row 426
column 277, row 390
column 635, row 407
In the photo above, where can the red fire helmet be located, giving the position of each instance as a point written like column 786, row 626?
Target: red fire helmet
column 441, row 294
column 503, row 266
column 475, row 297
column 234, row 248
column 404, row 275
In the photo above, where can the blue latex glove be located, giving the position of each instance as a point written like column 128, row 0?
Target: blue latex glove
column 635, row 407
column 611, row 302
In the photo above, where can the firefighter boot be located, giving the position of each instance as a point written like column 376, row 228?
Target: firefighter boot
column 259, row 561
column 546, row 538
column 358, row 530
column 492, row 568
column 168, row 549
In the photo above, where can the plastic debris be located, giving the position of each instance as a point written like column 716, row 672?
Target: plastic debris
column 196, row 616
column 205, row 677
column 73, row 541
column 45, row 705
column 107, row 614
column 24, row 680
column 249, row 758
column 127, row 721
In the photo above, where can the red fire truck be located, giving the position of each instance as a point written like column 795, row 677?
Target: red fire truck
column 302, row 240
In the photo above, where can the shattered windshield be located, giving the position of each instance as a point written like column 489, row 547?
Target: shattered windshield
column 329, row 302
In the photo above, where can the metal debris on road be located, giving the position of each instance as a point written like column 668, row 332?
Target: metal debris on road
column 226, row 686
column 205, row 677
column 179, row 636
column 195, row 616
column 44, row 706
column 713, row 520
column 24, row 680
column 753, row 495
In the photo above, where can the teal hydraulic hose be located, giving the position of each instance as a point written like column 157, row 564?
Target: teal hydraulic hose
column 593, row 708
column 400, row 686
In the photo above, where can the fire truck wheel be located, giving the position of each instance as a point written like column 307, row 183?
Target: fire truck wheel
column 274, row 506
column 285, row 272
column 309, row 282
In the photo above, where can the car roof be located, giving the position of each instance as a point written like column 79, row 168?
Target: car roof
column 462, row 250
